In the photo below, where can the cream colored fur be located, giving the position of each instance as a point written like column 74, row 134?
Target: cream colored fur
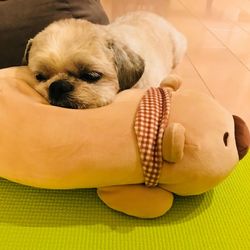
column 137, row 50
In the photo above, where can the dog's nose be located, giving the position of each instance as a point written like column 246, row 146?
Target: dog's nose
column 59, row 88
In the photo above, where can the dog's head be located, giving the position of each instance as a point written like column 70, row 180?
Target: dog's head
column 77, row 64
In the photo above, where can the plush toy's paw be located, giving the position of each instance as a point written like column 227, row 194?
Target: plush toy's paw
column 137, row 200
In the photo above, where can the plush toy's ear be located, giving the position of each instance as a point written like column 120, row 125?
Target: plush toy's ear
column 130, row 66
column 173, row 82
column 173, row 142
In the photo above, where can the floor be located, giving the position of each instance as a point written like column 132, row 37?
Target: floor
column 218, row 56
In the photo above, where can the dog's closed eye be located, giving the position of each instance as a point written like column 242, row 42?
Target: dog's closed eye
column 90, row 77
column 41, row 77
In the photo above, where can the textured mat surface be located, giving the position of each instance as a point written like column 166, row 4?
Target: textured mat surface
column 76, row 219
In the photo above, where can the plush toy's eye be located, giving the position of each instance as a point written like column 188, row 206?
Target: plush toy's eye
column 225, row 138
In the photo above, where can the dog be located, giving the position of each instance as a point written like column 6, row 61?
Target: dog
column 81, row 65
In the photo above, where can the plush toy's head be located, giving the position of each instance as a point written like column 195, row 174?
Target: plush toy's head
column 202, row 143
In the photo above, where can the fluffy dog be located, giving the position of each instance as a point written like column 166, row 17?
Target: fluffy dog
column 79, row 64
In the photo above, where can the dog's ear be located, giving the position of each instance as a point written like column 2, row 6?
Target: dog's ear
column 25, row 59
column 130, row 66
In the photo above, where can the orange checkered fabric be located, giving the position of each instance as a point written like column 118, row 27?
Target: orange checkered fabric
column 150, row 122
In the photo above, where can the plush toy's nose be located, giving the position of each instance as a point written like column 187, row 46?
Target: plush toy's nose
column 242, row 136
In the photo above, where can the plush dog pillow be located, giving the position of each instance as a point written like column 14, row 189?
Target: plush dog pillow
column 196, row 145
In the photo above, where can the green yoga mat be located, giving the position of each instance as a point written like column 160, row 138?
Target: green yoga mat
column 36, row 219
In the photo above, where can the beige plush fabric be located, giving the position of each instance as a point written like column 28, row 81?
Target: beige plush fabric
column 51, row 147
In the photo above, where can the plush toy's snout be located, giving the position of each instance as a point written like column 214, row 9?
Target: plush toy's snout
column 242, row 136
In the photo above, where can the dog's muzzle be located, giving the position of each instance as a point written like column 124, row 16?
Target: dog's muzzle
column 58, row 90
column 59, row 94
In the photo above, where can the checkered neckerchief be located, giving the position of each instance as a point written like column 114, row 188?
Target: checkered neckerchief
column 151, row 120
